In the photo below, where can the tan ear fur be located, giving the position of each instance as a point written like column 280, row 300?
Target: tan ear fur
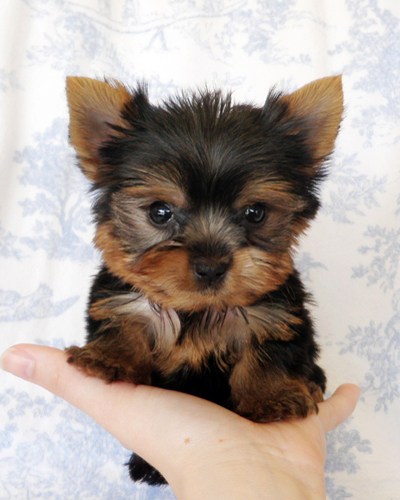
column 320, row 104
column 93, row 105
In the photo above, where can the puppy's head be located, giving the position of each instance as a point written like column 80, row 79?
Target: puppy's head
column 201, row 200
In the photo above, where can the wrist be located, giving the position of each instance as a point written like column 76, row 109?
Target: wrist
column 235, row 479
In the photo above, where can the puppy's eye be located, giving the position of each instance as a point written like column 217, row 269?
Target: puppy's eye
column 254, row 213
column 160, row 212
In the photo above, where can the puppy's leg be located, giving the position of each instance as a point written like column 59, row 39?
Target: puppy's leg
column 264, row 393
column 120, row 352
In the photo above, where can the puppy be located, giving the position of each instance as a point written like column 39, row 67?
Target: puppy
column 199, row 205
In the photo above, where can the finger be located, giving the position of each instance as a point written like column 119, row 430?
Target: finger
column 339, row 406
column 109, row 405
column 48, row 367
column 140, row 417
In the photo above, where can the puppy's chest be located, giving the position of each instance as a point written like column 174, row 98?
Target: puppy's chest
column 177, row 338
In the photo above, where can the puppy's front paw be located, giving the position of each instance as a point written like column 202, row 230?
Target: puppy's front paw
column 94, row 363
column 90, row 362
column 284, row 403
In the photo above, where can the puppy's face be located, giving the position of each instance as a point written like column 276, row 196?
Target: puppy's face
column 200, row 201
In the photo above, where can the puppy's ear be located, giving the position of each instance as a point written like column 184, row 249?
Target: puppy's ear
column 95, row 110
column 319, row 106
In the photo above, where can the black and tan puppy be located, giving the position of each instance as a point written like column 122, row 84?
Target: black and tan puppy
column 200, row 203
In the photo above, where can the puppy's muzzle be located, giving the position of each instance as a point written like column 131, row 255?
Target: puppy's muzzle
column 210, row 272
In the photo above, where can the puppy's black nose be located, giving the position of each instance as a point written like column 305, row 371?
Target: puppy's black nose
column 210, row 273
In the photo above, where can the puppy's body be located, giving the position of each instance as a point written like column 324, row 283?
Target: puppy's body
column 200, row 203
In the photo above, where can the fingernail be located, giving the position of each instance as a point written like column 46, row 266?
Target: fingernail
column 18, row 362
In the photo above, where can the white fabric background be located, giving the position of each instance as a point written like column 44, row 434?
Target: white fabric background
column 349, row 260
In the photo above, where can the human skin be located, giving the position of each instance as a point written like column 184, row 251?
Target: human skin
column 203, row 450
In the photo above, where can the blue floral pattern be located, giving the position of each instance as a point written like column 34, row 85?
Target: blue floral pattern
column 350, row 261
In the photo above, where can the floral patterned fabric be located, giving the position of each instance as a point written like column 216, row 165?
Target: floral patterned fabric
column 349, row 260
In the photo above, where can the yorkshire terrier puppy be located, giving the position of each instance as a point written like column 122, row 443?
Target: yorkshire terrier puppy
column 200, row 203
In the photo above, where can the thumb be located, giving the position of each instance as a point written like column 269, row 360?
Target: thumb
column 339, row 406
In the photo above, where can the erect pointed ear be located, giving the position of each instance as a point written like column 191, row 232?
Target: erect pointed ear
column 319, row 106
column 95, row 108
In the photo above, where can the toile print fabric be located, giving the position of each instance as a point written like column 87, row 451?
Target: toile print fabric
column 350, row 259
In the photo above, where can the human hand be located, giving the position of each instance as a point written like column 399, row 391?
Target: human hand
column 203, row 450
